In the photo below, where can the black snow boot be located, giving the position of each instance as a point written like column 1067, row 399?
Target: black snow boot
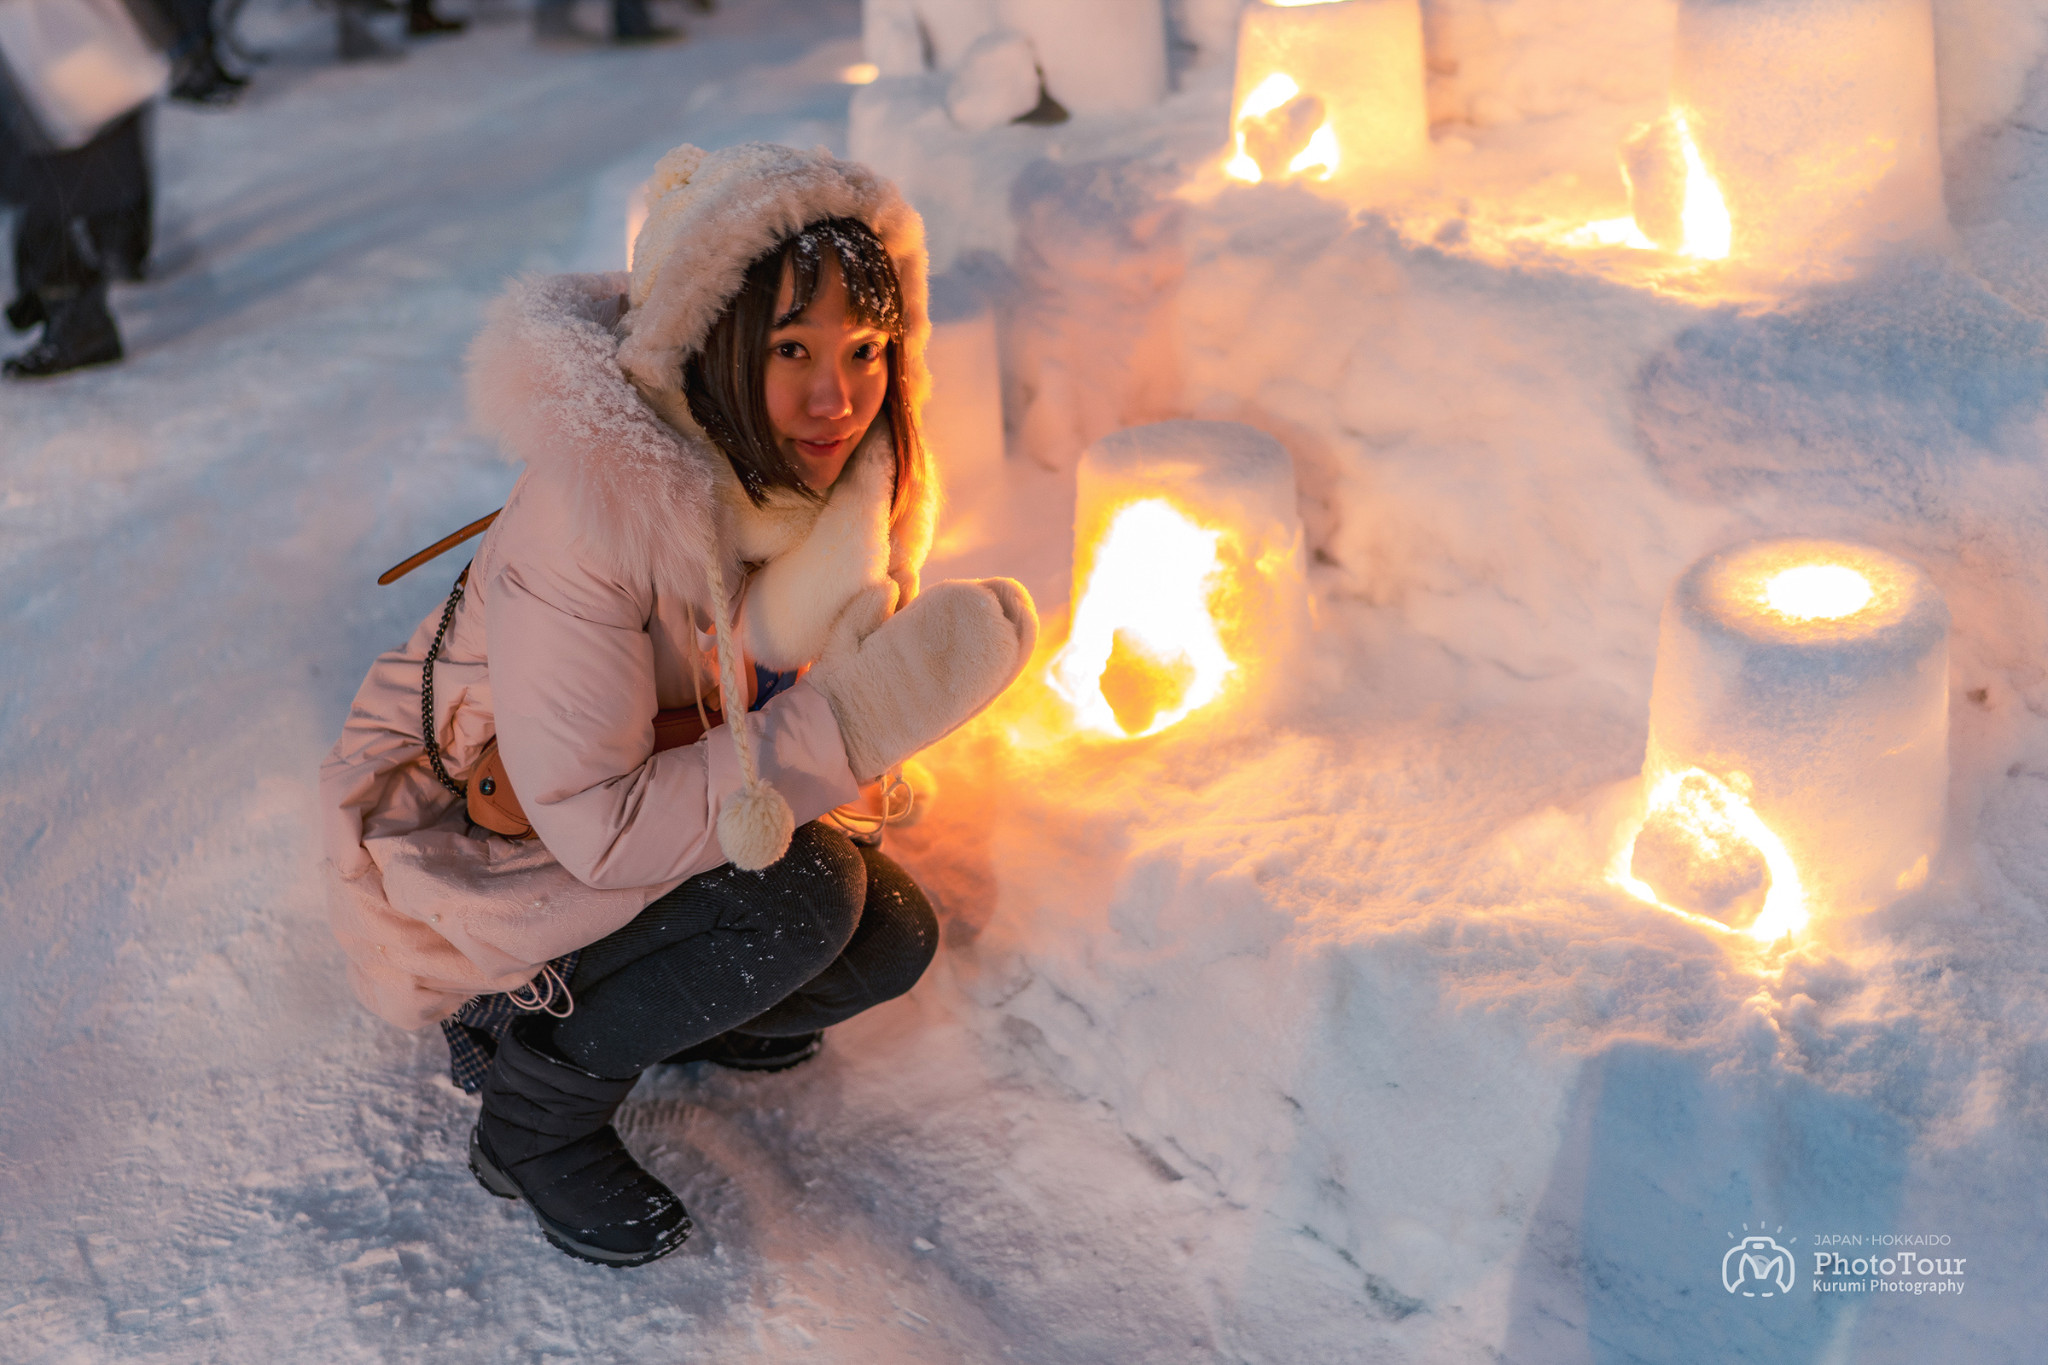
column 633, row 23
column 79, row 332
column 26, row 311
column 545, row 1136
column 746, row 1052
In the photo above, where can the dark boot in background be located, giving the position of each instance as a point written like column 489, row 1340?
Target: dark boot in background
column 545, row 1135
column 79, row 332
column 632, row 22
column 26, row 311
column 422, row 22
column 354, row 39
column 554, row 21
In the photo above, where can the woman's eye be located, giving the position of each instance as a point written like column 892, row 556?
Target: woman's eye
column 789, row 350
column 868, row 352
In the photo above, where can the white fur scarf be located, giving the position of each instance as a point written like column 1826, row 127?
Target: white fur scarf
column 813, row 559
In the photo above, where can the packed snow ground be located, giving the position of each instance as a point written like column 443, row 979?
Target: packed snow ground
column 1304, row 1041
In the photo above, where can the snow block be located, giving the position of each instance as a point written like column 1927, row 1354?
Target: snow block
column 963, row 419
column 1098, row 58
column 906, row 37
column 890, row 37
column 1225, row 473
column 995, row 83
column 1819, row 121
column 960, row 181
column 1810, row 678
column 951, row 27
column 1208, row 26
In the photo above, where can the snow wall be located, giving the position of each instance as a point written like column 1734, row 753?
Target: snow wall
column 1357, row 977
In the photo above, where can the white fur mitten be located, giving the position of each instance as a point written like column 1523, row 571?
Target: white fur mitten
column 898, row 683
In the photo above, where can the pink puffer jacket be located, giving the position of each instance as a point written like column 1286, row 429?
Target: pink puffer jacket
column 586, row 611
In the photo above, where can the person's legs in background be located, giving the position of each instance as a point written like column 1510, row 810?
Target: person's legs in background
column 85, row 218
column 197, row 76
column 633, row 22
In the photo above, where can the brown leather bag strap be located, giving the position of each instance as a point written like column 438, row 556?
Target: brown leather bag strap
column 439, row 547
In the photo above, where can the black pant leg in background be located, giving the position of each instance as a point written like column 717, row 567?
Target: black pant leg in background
column 86, row 214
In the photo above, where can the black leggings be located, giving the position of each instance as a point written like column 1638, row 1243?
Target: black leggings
column 823, row 934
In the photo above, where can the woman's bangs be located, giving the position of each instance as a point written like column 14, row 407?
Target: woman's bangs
column 874, row 296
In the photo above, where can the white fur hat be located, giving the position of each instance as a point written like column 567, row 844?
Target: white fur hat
column 712, row 214
column 709, row 216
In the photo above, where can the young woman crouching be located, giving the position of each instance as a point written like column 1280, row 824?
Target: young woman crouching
column 723, row 514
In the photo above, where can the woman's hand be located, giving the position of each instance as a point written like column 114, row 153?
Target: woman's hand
column 900, row 682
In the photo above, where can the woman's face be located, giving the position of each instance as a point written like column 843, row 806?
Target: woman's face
column 827, row 376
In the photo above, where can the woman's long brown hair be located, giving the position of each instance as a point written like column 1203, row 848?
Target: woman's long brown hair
column 726, row 381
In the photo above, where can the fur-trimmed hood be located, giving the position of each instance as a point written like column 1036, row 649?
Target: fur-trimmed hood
column 586, row 391
column 712, row 214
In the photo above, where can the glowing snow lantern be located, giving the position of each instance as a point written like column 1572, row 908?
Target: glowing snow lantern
column 1328, row 91
column 1188, row 572
column 1798, row 754
column 1814, row 121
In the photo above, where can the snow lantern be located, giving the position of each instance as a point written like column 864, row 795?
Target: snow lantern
column 1798, row 753
column 1188, row 573
column 1802, row 134
column 1328, row 91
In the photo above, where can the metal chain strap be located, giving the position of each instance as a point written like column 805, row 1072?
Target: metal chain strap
column 427, row 691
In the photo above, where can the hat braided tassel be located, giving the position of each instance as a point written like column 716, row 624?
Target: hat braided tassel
column 755, row 822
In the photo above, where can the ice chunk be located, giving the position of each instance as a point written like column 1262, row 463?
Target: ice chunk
column 995, row 83
column 1693, row 854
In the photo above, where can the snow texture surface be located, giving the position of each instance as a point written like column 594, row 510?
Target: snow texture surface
column 1311, row 1041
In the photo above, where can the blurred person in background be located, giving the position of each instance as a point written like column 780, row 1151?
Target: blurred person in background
column 84, row 217
column 198, row 75
column 358, row 42
column 633, row 22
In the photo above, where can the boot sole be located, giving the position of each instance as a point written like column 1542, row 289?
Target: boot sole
column 755, row 1066
column 13, row 368
column 491, row 1177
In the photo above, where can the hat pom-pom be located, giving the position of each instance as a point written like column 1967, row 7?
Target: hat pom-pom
column 754, row 827
column 676, row 169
